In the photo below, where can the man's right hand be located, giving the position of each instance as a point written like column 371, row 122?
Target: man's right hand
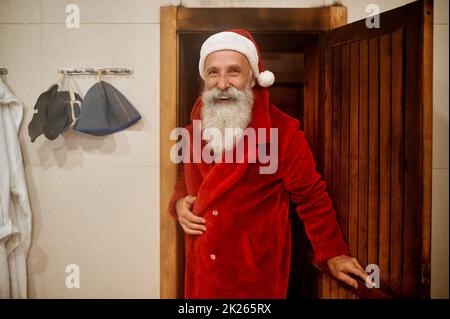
column 191, row 224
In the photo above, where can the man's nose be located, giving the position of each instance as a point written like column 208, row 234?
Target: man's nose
column 223, row 83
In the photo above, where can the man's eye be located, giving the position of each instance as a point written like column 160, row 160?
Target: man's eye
column 212, row 72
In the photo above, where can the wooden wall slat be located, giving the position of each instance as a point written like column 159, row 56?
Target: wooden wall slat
column 316, row 65
column 385, row 157
column 372, row 226
column 344, row 171
column 322, row 99
column 426, row 98
column 334, row 292
column 363, row 157
column 354, row 153
column 308, row 113
column 396, row 240
column 354, row 150
column 328, row 145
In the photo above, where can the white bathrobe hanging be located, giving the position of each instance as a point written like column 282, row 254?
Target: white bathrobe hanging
column 15, row 211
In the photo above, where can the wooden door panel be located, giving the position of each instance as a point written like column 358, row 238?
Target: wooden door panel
column 373, row 146
column 362, row 134
column 396, row 176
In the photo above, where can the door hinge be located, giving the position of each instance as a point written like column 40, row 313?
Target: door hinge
column 426, row 274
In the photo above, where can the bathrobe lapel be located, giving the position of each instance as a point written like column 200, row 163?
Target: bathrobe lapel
column 219, row 177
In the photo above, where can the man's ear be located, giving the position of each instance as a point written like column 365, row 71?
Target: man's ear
column 252, row 80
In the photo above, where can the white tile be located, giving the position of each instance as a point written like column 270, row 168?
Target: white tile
column 105, row 11
column 252, row 3
column 356, row 9
column 19, row 11
column 440, row 235
column 440, row 12
column 440, row 97
column 134, row 46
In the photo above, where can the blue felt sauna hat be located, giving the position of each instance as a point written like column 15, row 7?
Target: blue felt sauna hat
column 105, row 110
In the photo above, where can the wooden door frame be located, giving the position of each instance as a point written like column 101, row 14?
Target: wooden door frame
column 176, row 19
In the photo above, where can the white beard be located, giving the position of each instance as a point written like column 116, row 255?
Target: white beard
column 235, row 114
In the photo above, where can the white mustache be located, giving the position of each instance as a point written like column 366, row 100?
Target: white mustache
column 229, row 93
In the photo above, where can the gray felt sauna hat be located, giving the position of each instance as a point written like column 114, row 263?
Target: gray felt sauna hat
column 105, row 110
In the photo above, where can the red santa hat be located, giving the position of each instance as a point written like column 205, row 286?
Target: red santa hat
column 241, row 41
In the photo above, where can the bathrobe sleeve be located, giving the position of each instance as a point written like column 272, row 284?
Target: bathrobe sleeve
column 313, row 205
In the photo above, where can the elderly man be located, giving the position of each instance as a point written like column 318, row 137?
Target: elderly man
column 235, row 218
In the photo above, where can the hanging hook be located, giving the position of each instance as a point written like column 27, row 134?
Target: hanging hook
column 100, row 74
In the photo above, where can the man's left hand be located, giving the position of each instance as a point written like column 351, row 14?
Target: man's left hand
column 341, row 266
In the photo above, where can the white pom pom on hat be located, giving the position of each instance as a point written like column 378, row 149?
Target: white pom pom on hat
column 266, row 78
column 241, row 41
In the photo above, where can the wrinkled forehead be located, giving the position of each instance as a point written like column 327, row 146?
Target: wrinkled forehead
column 226, row 58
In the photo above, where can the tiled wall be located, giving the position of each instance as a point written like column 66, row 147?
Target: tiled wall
column 95, row 200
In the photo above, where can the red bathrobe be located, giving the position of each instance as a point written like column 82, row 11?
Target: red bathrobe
column 245, row 251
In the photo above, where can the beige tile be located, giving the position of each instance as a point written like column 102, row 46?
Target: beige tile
column 440, row 235
column 106, row 11
column 440, row 97
column 35, row 185
column 125, row 218
column 440, row 139
column 17, row 41
column 34, row 176
column 19, row 11
column 105, row 220
column 38, row 256
column 252, row 3
column 92, row 46
column 440, row 12
column 356, row 9
column 35, row 182
column 57, row 227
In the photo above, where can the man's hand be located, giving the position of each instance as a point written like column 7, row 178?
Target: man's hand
column 342, row 265
column 191, row 224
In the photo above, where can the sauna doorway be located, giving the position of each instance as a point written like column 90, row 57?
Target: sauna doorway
column 284, row 54
column 349, row 87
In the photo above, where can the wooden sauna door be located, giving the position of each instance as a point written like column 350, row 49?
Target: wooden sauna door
column 374, row 145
